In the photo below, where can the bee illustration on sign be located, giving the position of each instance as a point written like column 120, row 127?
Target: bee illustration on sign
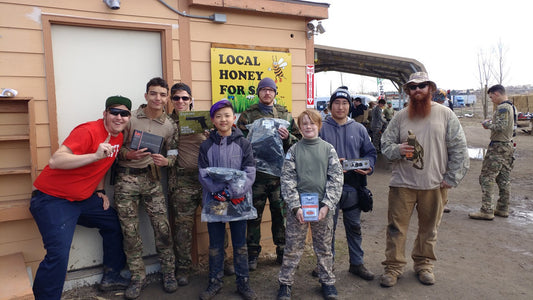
column 277, row 68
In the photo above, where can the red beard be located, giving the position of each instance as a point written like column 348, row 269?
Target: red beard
column 419, row 107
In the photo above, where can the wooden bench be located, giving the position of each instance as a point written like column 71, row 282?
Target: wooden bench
column 15, row 283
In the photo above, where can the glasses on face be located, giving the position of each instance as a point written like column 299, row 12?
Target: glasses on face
column 269, row 90
column 420, row 86
column 178, row 98
column 122, row 112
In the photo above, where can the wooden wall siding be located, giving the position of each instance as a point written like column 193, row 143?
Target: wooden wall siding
column 251, row 23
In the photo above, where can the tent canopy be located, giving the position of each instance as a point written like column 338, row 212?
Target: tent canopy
column 395, row 68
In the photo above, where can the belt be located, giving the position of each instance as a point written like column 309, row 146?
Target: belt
column 35, row 193
column 499, row 142
column 185, row 172
column 132, row 171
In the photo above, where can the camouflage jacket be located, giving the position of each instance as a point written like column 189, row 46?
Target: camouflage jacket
column 280, row 112
column 502, row 125
column 306, row 170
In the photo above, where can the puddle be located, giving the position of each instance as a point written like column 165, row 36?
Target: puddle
column 476, row 153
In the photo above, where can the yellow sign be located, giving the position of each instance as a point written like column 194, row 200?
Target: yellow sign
column 235, row 74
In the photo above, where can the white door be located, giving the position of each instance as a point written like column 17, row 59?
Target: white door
column 91, row 64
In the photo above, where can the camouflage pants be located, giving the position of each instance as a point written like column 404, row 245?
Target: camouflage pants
column 266, row 186
column 496, row 167
column 322, row 233
column 185, row 200
column 376, row 138
column 130, row 190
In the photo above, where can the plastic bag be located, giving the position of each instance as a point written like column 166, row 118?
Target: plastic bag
column 216, row 211
column 267, row 145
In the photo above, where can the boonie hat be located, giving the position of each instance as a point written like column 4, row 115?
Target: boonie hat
column 416, row 78
column 118, row 100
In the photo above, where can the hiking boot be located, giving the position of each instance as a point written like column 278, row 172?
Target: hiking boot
column 279, row 258
column 213, row 288
column 134, row 289
column 243, row 288
column 426, row 277
column 361, row 271
column 284, row 292
column 501, row 213
column 170, row 285
column 183, row 279
column 479, row 215
column 112, row 280
column 229, row 269
column 314, row 273
column 388, row 279
column 329, row 291
column 252, row 263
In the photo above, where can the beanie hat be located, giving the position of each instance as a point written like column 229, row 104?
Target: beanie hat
column 339, row 93
column 118, row 100
column 267, row 82
column 219, row 105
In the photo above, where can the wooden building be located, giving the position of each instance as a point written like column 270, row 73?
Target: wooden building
column 66, row 57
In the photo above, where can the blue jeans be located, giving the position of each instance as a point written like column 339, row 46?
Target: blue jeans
column 216, row 232
column 57, row 219
column 352, row 226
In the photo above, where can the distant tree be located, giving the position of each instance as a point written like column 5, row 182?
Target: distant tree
column 484, row 65
column 501, row 69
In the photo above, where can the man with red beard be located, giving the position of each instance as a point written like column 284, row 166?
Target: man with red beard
column 436, row 138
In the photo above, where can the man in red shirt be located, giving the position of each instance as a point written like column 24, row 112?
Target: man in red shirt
column 70, row 191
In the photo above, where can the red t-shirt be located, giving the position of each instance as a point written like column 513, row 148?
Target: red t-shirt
column 80, row 183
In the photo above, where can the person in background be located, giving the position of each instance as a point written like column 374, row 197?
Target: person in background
column 499, row 159
column 138, row 181
column 360, row 110
column 311, row 166
column 351, row 141
column 378, row 124
column 267, row 186
column 226, row 147
column 70, row 191
column 388, row 111
column 424, row 132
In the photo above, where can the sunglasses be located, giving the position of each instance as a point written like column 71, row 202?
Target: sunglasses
column 122, row 112
column 420, row 86
column 184, row 98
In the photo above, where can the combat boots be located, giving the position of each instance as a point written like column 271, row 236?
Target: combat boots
column 479, row 215
column 501, row 213
column 170, row 285
column 243, row 288
column 284, row 292
column 252, row 263
column 213, row 288
column 112, row 280
column 134, row 289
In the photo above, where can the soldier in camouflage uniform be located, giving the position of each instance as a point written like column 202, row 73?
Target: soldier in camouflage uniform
column 266, row 185
column 138, row 180
column 440, row 143
column 499, row 159
column 185, row 190
column 311, row 166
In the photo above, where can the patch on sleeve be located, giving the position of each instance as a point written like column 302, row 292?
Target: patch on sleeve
column 288, row 156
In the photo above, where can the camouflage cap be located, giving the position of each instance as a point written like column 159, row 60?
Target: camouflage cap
column 416, row 78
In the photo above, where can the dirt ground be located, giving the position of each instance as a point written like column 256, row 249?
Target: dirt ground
column 475, row 259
